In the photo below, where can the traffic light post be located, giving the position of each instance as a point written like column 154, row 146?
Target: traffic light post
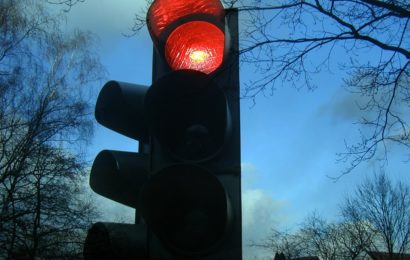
column 185, row 181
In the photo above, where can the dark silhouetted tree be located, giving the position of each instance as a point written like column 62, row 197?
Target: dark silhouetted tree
column 342, row 240
column 355, row 238
column 375, row 218
column 291, row 245
column 279, row 256
column 45, row 120
column 386, row 208
column 317, row 237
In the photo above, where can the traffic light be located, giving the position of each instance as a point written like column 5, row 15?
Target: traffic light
column 185, row 180
column 192, row 203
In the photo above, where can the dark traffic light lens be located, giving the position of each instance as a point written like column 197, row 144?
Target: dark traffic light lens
column 188, row 114
column 188, row 209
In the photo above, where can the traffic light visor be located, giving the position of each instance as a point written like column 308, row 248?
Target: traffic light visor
column 119, row 176
column 120, row 108
column 163, row 13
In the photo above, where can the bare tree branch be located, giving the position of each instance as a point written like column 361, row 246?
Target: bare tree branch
column 44, row 119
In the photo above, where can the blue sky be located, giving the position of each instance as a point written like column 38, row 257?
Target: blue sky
column 289, row 140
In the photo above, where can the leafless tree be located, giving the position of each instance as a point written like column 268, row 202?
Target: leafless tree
column 45, row 216
column 386, row 208
column 318, row 237
column 354, row 239
column 44, row 119
column 375, row 218
column 290, row 244
column 68, row 3
column 321, row 238
column 336, row 240
column 290, row 41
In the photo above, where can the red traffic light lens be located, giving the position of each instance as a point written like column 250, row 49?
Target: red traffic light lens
column 196, row 45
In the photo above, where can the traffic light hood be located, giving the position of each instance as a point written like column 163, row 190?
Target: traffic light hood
column 164, row 14
column 120, row 107
column 119, row 176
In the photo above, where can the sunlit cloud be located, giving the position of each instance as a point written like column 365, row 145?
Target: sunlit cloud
column 104, row 17
column 260, row 213
column 109, row 20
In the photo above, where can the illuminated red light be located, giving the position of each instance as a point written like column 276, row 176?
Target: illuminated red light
column 189, row 33
column 195, row 45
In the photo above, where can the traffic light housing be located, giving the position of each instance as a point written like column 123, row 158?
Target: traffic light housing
column 185, row 180
column 194, row 122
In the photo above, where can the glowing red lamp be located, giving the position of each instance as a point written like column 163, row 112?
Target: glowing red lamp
column 189, row 33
